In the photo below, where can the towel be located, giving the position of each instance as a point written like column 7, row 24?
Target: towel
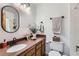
column 57, row 24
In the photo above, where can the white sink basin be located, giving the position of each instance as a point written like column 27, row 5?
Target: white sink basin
column 16, row 48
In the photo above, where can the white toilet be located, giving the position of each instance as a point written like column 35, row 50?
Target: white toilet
column 56, row 48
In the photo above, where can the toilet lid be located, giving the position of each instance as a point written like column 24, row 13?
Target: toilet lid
column 54, row 53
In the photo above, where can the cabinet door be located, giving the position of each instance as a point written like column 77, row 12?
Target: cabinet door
column 43, row 50
column 38, row 52
column 43, row 47
column 38, row 48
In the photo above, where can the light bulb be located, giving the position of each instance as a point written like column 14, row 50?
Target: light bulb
column 28, row 10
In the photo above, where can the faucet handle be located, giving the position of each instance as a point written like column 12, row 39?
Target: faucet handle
column 14, row 40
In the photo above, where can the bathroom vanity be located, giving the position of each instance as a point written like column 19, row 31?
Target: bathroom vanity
column 33, row 48
column 38, row 49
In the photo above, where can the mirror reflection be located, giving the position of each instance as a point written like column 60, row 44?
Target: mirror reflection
column 9, row 19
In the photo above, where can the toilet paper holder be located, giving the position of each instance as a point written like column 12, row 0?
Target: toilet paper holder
column 77, row 47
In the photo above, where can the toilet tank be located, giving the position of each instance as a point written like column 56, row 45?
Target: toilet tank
column 57, row 46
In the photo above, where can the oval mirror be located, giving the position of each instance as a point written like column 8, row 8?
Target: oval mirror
column 9, row 19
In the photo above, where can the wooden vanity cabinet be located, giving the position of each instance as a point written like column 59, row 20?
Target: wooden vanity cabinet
column 37, row 50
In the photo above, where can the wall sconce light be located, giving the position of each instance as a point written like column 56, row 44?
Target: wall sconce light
column 26, row 6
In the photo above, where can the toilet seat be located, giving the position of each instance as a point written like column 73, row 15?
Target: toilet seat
column 54, row 53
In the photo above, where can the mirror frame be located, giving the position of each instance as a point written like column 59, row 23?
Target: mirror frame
column 2, row 18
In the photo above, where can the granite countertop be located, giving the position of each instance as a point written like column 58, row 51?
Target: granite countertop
column 29, row 43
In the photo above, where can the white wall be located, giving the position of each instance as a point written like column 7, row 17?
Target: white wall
column 74, row 38
column 45, row 11
column 25, row 19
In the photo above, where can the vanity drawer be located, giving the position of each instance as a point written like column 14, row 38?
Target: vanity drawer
column 38, row 45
